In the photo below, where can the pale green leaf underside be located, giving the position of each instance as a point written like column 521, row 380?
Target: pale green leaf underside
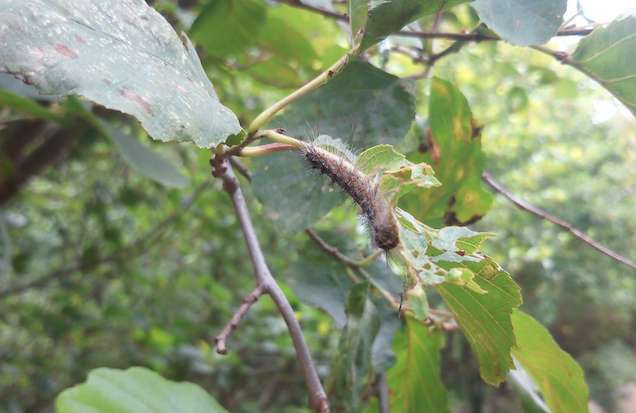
column 522, row 22
column 607, row 55
column 557, row 375
column 118, row 53
column 135, row 390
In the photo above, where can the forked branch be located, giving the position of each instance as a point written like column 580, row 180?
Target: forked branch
column 265, row 281
column 221, row 339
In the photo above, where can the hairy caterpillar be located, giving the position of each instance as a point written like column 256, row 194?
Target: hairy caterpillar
column 327, row 156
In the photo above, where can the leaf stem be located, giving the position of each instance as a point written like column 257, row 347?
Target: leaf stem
column 264, row 118
column 262, row 150
column 278, row 136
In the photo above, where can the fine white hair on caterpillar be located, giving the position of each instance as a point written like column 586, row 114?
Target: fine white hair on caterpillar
column 331, row 158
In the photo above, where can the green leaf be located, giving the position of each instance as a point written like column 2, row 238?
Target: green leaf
column 352, row 368
column 88, row 52
column 135, row 390
column 228, row 27
column 275, row 72
column 145, row 160
column 457, row 159
column 522, row 22
column 362, row 105
column 285, row 35
column 294, row 197
column 26, row 105
column 607, row 56
column 485, row 319
column 557, row 375
column 415, row 381
column 382, row 355
column 322, row 282
column 531, row 400
column 372, row 20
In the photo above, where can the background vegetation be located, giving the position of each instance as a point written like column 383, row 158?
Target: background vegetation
column 101, row 266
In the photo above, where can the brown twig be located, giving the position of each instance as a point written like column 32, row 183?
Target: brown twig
column 466, row 37
column 383, row 393
column 241, row 168
column 265, row 280
column 520, row 203
column 221, row 339
column 326, row 13
column 330, row 249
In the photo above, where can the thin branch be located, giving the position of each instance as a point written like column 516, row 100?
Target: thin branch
column 265, row 280
column 262, row 119
column 383, row 393
column 574, row 31
column 145, row 240
column 221, row 339
column 355, row 266
column 241, row 168
column 267, row 149
column 497, row 187
column 330, row 249
column 326, row 13
column 464, row 37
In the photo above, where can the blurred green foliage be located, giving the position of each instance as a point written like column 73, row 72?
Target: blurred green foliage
column 114, row 270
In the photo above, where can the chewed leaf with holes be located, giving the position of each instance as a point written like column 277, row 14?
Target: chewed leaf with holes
column 399, row 175
column 119, row 53
column 485, row 318
column 607, row 56
column 440, row 256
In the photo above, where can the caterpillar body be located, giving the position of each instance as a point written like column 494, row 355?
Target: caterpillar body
column 361, row 188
